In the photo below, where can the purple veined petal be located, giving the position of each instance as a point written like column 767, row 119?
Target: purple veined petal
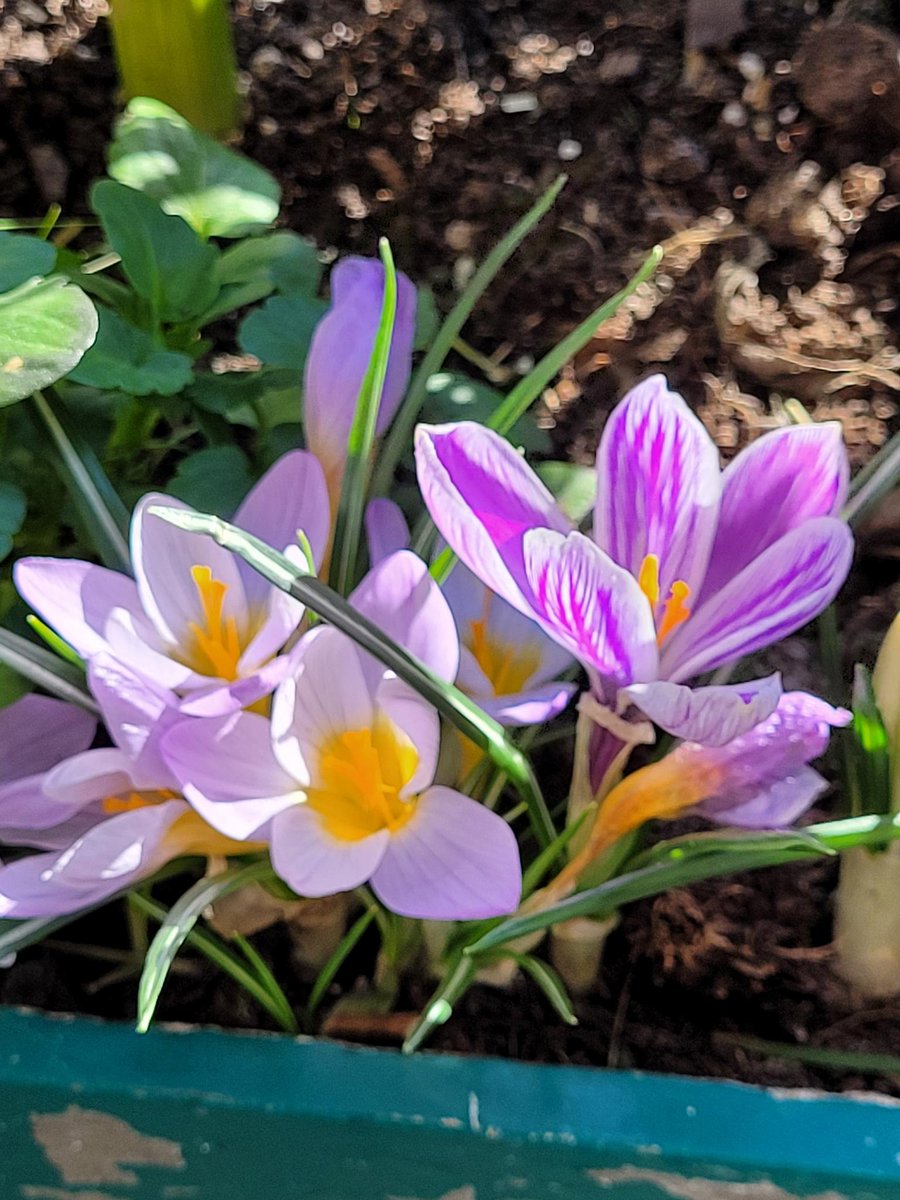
column 709, row 715
column 340, row 352
column 593, row 608
column 327, row 693
column 136, row 713
column 454, row 860
column 533, row 706
column 785, row 478
column 292, row 495
column 483, row 497
column 750, row 780
column 37, row 731
column 658, row 486
column 777, row 594
column 402, row 599
column 134, row 642
column 313, row 862
column 386, row 529
column 776, row 805
column 163, row 558
column 420, row 723
column 228, row 772
column 75, row 598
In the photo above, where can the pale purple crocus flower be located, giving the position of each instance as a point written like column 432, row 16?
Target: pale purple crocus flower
column 688, row 568
column 339, row 783
column 507, row 664
column 103, row 819
column 195, row 619
column 759, row 780
column 339, row 356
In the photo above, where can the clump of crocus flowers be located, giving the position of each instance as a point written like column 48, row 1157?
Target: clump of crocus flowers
column 235, row 724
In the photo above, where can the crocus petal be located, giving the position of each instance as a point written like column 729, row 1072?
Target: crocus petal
column 658, row 486
column 135, row 643
column 593, row 608
column 37, row 731
column 87, row 777
column 483, row 497
column 778, row 593
column 283, row 616
column 163, row 556
column 454, row 860
column 784, row 479
column 386, row 529
column 109, row 858
column 340, row 352
column 711, row 715
column 533, row 706
column 402, row 599
column 228, row 771
column 313, row 862
column 328, row 693
column 774, row 806
column 136, row 713
column 220, row 700
column 419, row 721
column 76, row 598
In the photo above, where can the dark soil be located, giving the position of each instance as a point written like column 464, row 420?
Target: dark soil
column 769, row 170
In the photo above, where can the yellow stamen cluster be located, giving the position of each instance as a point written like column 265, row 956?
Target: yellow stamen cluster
column 507, row 668
column 360, row 777
column 217, row 643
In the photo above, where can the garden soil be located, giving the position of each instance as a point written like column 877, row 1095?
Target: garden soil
column 769, row 170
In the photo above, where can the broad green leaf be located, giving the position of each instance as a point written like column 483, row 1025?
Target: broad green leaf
column 12, row 514
column 280, row 332
column 216, row 478
column 23, row 258
column 257, row 399
column 218, row 192
column 428, row 319
column 127, row 359
column 255, row 267
column 453, row 397
column 162, row 256
column 45, row 328
column 574, row 486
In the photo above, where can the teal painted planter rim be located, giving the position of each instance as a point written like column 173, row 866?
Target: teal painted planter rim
column 852, row 1136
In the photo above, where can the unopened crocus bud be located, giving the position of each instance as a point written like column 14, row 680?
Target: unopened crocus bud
column 339, row 356
column 886, row 684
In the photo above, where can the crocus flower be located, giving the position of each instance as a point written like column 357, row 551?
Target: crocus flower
column 340, row 782
column 104, row 819
column 339, row 355
column 687, row 568
column 195, row 619
column 507, row 664
column 759, row 780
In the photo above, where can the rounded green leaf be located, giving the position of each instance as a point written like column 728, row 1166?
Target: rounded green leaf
column 23, row 258
column 217, row 478
column 218, row 192
column 127, row 359
column 45, row 328
column 279, row 333
column 12, row 514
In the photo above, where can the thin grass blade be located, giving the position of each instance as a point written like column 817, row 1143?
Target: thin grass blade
column 44, row 669
column 345, row 947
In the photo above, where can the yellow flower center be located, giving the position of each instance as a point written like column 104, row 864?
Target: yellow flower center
column 675, row 609
column 216, row 646
column 361, row 775
column 188, row 834
column 507, row 667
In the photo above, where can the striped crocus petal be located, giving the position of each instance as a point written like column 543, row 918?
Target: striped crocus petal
column 484, row 498
column 592, row 607
column 658, row 487
column 710, row 715
column 784, row 479
column 777, row 594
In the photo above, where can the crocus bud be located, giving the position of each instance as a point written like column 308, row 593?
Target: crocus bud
column 886, row 684
column 340, row 353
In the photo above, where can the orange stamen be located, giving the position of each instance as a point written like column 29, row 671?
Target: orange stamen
column 219, row 643
column 675, row 611
column 648, row 578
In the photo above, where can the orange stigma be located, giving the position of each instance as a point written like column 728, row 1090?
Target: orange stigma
column 675, row 608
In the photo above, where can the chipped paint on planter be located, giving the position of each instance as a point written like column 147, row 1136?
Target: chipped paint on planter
column 95, row 1112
